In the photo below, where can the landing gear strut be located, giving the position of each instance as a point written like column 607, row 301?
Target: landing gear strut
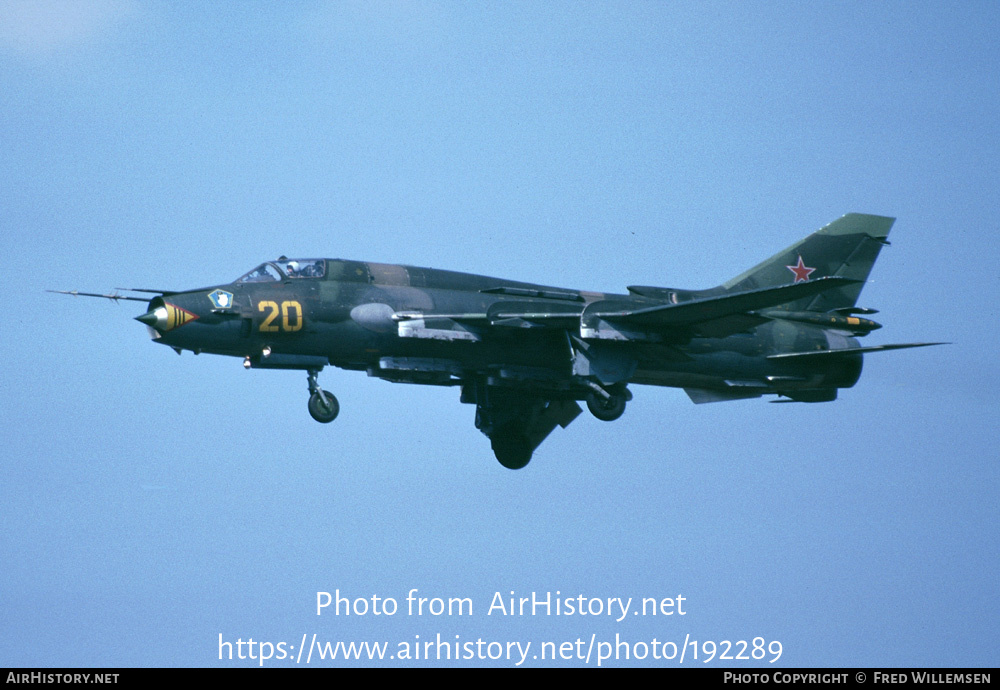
column 323, row 405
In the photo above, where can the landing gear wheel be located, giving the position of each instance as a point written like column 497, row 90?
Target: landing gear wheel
column 324, row 412
column 607, row 410
column 513, row 450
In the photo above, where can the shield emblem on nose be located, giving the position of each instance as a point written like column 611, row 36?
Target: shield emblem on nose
column 221, row 299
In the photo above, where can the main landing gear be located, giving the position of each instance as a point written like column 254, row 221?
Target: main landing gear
column 608, row 404
column 323, row 405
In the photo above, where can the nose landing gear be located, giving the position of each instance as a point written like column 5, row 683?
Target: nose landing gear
column 323, row 405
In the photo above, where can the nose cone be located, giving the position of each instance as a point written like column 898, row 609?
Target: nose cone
column 166, row 317
column 150, row 318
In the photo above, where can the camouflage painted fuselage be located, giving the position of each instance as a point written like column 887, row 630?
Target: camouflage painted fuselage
column 351, row 318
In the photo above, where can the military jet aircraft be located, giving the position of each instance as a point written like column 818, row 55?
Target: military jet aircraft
column 525, row 354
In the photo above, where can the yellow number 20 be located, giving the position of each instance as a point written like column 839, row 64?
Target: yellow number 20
column 291, row 316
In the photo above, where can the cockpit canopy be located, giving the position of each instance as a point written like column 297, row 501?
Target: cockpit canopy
column 275, row 271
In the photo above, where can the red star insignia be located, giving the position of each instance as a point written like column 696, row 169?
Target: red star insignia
column 801, row 271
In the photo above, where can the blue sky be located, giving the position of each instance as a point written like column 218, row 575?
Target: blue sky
column 153, row 503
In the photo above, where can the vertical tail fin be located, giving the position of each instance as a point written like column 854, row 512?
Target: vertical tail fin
column 847, row 247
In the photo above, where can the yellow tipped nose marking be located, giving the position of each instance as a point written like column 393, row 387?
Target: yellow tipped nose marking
column 177, row 317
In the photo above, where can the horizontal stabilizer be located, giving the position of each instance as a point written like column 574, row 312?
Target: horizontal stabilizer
column 849, row 351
